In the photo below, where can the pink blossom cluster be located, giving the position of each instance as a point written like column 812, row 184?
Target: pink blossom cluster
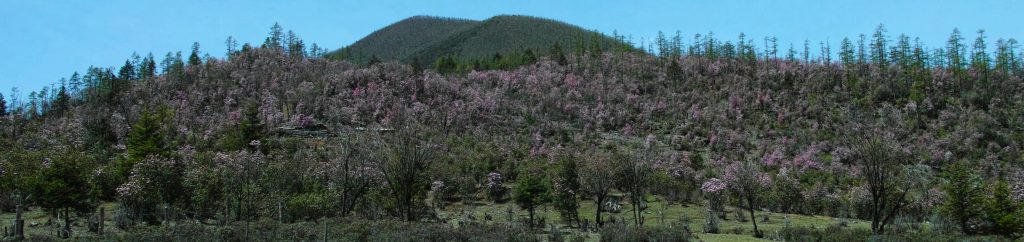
column 494, row 180
column 773, row 158
column 437, row 186
column 713, row 185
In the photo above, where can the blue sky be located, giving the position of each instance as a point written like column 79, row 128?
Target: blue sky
column 46, row 40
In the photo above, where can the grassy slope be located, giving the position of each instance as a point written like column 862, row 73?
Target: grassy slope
column 454, row 212
column 672, row 214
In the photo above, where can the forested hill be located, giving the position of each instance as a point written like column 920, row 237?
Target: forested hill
column 424, row 39
column 929, row 140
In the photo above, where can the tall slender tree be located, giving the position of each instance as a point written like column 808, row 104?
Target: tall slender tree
column 878, row 47
column 979, row 55
column 3, row 105
column 846, row 53
column 955, row 50
column 193, row 59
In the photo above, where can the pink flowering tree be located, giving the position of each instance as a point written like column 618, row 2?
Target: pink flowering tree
column 714, row 192
column 748, row 183
column 597, row 176
column 495, row 186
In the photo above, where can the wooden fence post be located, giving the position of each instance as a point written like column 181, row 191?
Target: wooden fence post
column 102, row 213
column 19, row 225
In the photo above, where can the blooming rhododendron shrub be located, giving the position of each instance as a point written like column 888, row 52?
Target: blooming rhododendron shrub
column 714, row 192
column 495, row 187
column 155, row 182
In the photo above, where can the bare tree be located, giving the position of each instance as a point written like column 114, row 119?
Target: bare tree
column 350, row 171
column 748, row 187
column 409, row 153
column 635, row 176
column 598, row 179
column 882, row 169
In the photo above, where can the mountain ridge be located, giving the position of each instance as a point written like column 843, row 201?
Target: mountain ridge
column 424, row 38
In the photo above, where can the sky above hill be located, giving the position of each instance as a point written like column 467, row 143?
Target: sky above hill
column 46, row 40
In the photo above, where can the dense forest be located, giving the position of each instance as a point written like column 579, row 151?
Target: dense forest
column 500, row 40
column 277, row 142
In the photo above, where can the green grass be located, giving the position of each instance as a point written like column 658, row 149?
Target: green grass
column 658, row 213
column 672, row 214
column 36, row 222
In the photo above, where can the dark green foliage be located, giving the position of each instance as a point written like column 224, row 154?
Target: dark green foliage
column 566, row 190
column 62, row 185
column 337, row 230
column 963, row 195
column 430, row 38
column 400, row 40
column 450, row 64
column 446, row 64
column 146, row 138
column 312, row 205
column 193, row 58
column 3, row 106
column 1002, row 212
column 248, row 128
column 531, row 190
column 61, row 102
column 623, row 233
column 558, row 54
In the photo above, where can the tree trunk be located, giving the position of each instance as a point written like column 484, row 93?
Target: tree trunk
column 757, row 233
column 531, row 217
column 597, row 215
column 67, row 222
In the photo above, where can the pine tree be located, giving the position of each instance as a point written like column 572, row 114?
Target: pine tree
column 791, row 54
column 1005, row 56
column 295, row 45
column 846, row 53
column 861, row 55
column 955, row 50
column 878, row 49
column 807, row 51
column 558, row 54
column 3, row 106
column 148, row 68
column 963, row 195
column 75, row 85
column 274, row 40
column 826, row 53
column 62, row 101
column 662, row 43
column 232, row 46
column 677, row 45
column 193, row 59
column 979, row 56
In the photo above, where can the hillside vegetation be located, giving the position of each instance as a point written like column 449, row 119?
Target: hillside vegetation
column 893, row 140
column 424, row 39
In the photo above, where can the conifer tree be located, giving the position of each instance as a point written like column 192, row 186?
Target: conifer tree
column 861, row 55
column 979, row 56
column 193, row 59
column 878, row 47
column 275, row 38
column 75, row 85
column 232, row 46
column 955, row 50
column 3, row 105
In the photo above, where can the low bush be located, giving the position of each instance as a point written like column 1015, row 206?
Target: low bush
column 621, row 232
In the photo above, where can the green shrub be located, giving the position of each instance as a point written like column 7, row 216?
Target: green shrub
column 312, row 205
column 621, row 232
